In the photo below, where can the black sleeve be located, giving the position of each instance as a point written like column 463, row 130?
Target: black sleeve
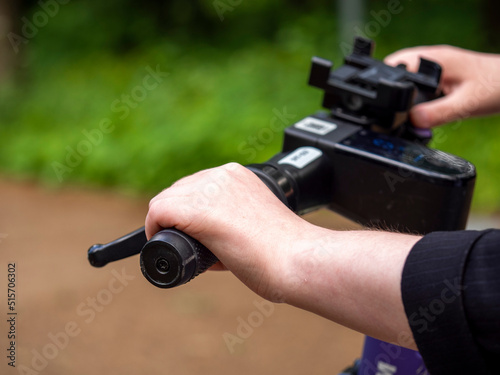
column 451, row 294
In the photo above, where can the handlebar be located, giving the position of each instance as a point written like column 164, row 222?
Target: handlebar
column 171, row 257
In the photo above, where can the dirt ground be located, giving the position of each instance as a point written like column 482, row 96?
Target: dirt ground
column 75, row 319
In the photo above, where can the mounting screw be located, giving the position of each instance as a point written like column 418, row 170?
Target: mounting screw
column 162, row 265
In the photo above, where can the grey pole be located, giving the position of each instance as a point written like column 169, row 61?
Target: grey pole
column 350, row 14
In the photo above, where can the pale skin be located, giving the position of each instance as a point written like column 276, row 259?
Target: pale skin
column 353, row 277
column 470, row 82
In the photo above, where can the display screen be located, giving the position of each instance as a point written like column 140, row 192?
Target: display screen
column 407, row 152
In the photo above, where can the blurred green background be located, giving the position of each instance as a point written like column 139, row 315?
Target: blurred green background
column 229, row 65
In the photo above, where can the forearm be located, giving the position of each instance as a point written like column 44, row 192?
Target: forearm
column 354, row 279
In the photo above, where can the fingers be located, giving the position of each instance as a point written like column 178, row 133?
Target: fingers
column 187, row 202
column 464, row 100
column 157, row 218
column 430, row 114
column 456, row 70
column 409, row 56
column 446, row 56
column 179, row 183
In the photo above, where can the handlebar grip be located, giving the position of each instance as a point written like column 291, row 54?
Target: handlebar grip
column 172, row 258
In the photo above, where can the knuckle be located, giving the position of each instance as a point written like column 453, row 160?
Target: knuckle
column 153, row 208
column 233, row 167
column 152, row 202
column 445, row 46
column 237, row 170
column 226, row 174
column 159, row 196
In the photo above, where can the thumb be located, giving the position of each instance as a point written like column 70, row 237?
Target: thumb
column 437, row 112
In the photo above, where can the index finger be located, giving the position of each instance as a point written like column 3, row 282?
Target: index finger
column 409, row 57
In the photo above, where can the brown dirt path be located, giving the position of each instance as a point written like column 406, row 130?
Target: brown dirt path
column 136, row 328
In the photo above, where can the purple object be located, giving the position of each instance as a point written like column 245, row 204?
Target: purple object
column 382, row 358
column 424, row 133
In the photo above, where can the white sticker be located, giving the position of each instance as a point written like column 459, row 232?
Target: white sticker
column 313, row 125
column 301, row 157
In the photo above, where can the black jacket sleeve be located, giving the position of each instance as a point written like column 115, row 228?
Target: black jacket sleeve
column 451, row 294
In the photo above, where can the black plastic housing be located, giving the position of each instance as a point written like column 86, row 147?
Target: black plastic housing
column 388, row 182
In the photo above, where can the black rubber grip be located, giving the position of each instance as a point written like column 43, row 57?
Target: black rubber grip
column 172, row 258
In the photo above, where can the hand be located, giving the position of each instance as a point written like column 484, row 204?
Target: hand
column 470, row 82
column 238, row 218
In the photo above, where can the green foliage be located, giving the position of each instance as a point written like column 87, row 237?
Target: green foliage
column 226, row 82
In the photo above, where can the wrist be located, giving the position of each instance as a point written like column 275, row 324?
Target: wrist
column 314, row 249
column 290, row 259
